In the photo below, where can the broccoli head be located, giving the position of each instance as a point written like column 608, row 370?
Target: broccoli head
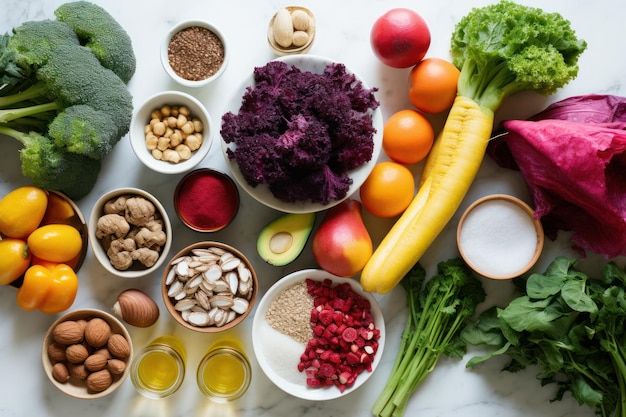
column 102, row 34
column 61, row 95
column 52, row 168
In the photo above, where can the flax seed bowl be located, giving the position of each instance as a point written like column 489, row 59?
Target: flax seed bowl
column 209, row 287
column 171, row 132
column 318, row 336
column 194, row 53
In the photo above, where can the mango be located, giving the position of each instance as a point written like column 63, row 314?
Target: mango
column 22, row 210
column 342, row 244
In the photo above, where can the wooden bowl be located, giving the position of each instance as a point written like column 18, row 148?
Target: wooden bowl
column 291, row 50
column 77, row 387
column 170, row 276
column 63, row 210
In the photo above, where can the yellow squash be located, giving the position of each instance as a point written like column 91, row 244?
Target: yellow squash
column 452, row 165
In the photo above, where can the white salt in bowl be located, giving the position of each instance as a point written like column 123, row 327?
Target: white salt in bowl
column 499, row 237
column 278, row 354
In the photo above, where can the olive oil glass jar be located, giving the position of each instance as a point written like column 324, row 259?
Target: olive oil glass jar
column 224, row 373
column 158, row 369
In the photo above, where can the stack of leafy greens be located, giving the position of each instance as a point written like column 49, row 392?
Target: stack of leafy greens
column 571, row 326
column 438, row 311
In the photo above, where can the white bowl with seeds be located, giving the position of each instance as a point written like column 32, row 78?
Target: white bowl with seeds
column 209, row 287
column 194, row 53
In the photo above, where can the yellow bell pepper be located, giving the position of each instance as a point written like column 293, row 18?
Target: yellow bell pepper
column 51, row 290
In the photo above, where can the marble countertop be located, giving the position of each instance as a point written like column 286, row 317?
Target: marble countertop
column 343, row 35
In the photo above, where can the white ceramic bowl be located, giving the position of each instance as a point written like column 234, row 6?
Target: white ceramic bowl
column 165, row 56
column 270, row 344
column 261, row 193
column 74, row 387
column 499, row 237
column 137, row 270
column 142, row 117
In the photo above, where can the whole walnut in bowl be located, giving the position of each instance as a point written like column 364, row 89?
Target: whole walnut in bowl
column 130, row 232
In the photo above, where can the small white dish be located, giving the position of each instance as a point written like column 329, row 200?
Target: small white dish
column 142, row 117
column 270, row 343
column 262, row 193
column 137, row 270
column 165, row 61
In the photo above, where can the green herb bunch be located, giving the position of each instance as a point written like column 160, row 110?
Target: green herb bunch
column 570, row 325
column 438, row 310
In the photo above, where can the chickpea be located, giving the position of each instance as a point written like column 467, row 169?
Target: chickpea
column 159, row 128
column 165, row 110
column 184, row 110
column 171, row 155
column 187, row 128
column 157, row 154
column 168, row 132
column 156, row 114
column 151, row 141
column 163, row 143
column 193, row 142
column 183, row 151
column 171, row 121
column 182, row 119
column 197, row 125
column 176, row 138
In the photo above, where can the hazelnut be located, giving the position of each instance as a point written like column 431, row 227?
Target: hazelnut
column 118, row 346
column 76, row 353
column 96, row 362
column 60, row 372
column 97, row 332
column 136, row 308
column 68, row 333
column 99, row 381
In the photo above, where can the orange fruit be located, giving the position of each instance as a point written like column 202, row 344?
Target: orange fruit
column 388, row 190
column 433, row 84
column 408, row 136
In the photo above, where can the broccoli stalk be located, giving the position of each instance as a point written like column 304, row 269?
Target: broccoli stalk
column 52, row 168
column 437, row 313
column 528, row 49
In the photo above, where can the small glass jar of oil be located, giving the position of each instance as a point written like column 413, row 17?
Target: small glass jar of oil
column 159, row 368
column 224, row 372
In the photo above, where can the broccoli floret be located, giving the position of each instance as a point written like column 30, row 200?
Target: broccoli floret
column 51, row 167
column 84, row 130
column 102, row 34
column 527, row 49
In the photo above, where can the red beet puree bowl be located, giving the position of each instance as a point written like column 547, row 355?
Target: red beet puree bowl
column 206, row 200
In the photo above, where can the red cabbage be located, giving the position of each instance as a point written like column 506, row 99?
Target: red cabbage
column 300, row 133
column 572, row 156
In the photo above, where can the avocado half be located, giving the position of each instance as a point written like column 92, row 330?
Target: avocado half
column 282, row 240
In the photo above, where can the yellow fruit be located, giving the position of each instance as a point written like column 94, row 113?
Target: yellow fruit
column 55, row 242
column 21, row 211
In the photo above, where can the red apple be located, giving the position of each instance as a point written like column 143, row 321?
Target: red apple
column 400, row 38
